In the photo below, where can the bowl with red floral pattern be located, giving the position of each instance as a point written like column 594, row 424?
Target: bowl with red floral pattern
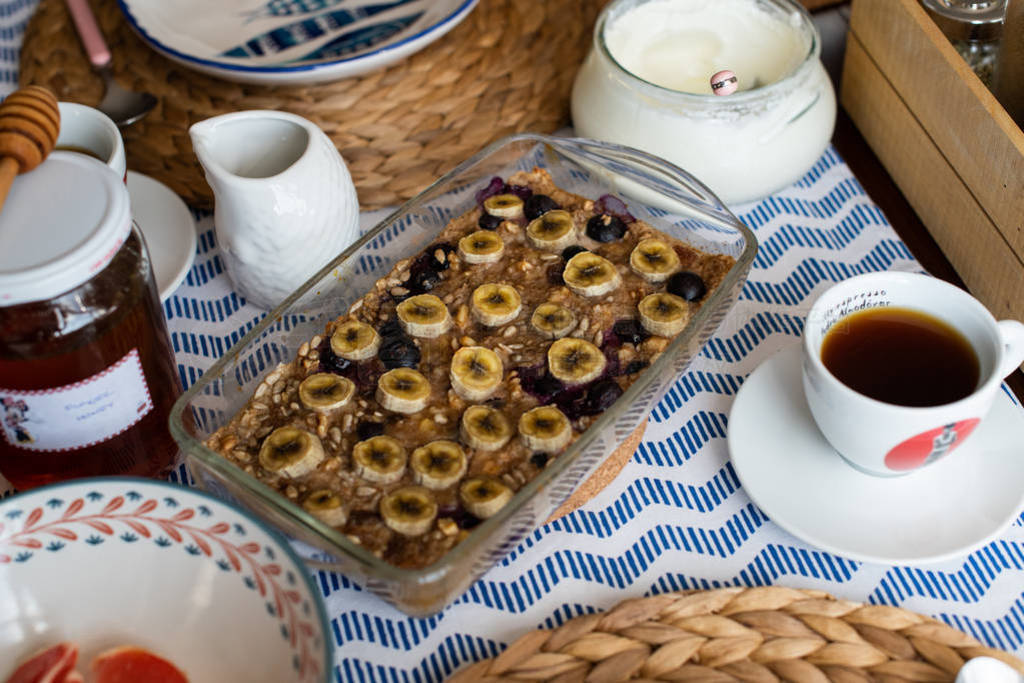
column 95, row 573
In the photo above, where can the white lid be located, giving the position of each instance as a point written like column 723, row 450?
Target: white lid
column 61, row 224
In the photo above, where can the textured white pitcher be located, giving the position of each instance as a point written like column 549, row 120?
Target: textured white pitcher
column 284, row 202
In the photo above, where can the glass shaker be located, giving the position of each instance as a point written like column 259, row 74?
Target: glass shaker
column 87, row 376
column 1008, row 85
column 974, row 27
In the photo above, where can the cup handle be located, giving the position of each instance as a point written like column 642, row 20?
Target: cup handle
column 1012, row 334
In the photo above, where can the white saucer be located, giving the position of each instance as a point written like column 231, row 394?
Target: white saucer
column 168, row 227
column 791, row 472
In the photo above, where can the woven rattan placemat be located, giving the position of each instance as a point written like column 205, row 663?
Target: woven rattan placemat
column 507, row 68
column 739, row 634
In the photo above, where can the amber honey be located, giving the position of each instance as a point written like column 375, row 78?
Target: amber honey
column 81, row 335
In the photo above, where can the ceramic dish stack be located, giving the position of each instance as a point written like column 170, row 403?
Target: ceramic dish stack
column 507, row 67
column 109, row 562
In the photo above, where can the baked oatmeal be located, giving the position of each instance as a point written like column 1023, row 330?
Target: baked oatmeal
column 470, row 367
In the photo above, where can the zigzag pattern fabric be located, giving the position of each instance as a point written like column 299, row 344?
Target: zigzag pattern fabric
column 676, row 517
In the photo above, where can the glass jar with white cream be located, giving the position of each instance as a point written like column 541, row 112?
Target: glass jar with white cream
column 647, row 84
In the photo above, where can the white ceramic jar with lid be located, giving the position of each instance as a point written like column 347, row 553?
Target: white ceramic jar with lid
column 87, row 376
column 646, row 84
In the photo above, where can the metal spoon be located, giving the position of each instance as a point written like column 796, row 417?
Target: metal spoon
column 122, row 106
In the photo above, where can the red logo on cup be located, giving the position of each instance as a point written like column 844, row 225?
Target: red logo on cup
column 930, row 446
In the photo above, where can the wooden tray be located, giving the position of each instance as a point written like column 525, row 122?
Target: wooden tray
column 952, row 149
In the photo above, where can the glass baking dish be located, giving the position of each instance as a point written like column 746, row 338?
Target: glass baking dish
column 655, row 191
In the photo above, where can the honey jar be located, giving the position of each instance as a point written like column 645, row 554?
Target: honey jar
column 87, row 375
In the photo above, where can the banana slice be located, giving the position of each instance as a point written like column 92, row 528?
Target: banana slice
column 553, row 321
column 380, row 459
column 403, row 390
column 424, row 315
column 291, row 451
column 476, row 372
column 325, row 391
column 552, row 231
column 653, row 260
column 484, row 496
column 354, row 340
column 438, row 464
column 485, row 428
column 663, row 314
column 409, row 511
column 545, row 428
column 504, row 206
column 482, row 246
column 494, row 305
column 575, row 361
column 589, row 274
column 326, row 506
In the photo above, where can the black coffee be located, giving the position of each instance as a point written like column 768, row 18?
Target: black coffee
column 901, row 356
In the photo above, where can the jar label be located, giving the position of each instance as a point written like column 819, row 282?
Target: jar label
column 77, row 415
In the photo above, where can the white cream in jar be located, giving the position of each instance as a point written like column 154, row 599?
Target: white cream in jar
column 646, row 84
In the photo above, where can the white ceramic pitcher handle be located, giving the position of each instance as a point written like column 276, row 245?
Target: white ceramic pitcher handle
column 1012, row 333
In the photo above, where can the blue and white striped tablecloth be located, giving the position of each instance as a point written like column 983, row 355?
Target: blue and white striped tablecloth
column 677, row 517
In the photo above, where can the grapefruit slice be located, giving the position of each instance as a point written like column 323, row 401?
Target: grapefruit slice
column 130, row 664
column 72, row 677
column 47, row 666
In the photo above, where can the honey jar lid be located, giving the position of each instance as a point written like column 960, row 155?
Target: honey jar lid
column 62, row 223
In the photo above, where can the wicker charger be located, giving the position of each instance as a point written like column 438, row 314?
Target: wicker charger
column 507, row 68
column 739, row 634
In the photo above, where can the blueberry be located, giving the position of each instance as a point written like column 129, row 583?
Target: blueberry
column 495, row 186
column 489, row 222
column 521, row 191
column 392, row 329
column 537, row 382
column 605, row 228
column 609, row 203
column 635, row 366
column 331, row 362
column 569, row 252
column 399, row 352
column 629, row 331
column 366, row 430
column 600, row 396
column 555, row 272
column 687, row 285
column 537, row 205
column 539, row 460
column 547, row 385
column 423, row 280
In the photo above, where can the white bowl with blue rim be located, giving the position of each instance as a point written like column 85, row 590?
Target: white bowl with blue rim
column 291, row 42
column 106, row 562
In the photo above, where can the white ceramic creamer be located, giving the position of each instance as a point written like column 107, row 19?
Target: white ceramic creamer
column 647, row 84
column 284, row 201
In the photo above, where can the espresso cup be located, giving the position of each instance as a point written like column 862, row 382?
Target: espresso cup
column 90, row 131
column 887, row 439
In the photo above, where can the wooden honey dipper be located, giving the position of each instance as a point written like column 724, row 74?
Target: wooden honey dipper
column 29, row 125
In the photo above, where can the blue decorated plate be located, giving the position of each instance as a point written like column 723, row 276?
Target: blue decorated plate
column 107, row 562
column 291, row 42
